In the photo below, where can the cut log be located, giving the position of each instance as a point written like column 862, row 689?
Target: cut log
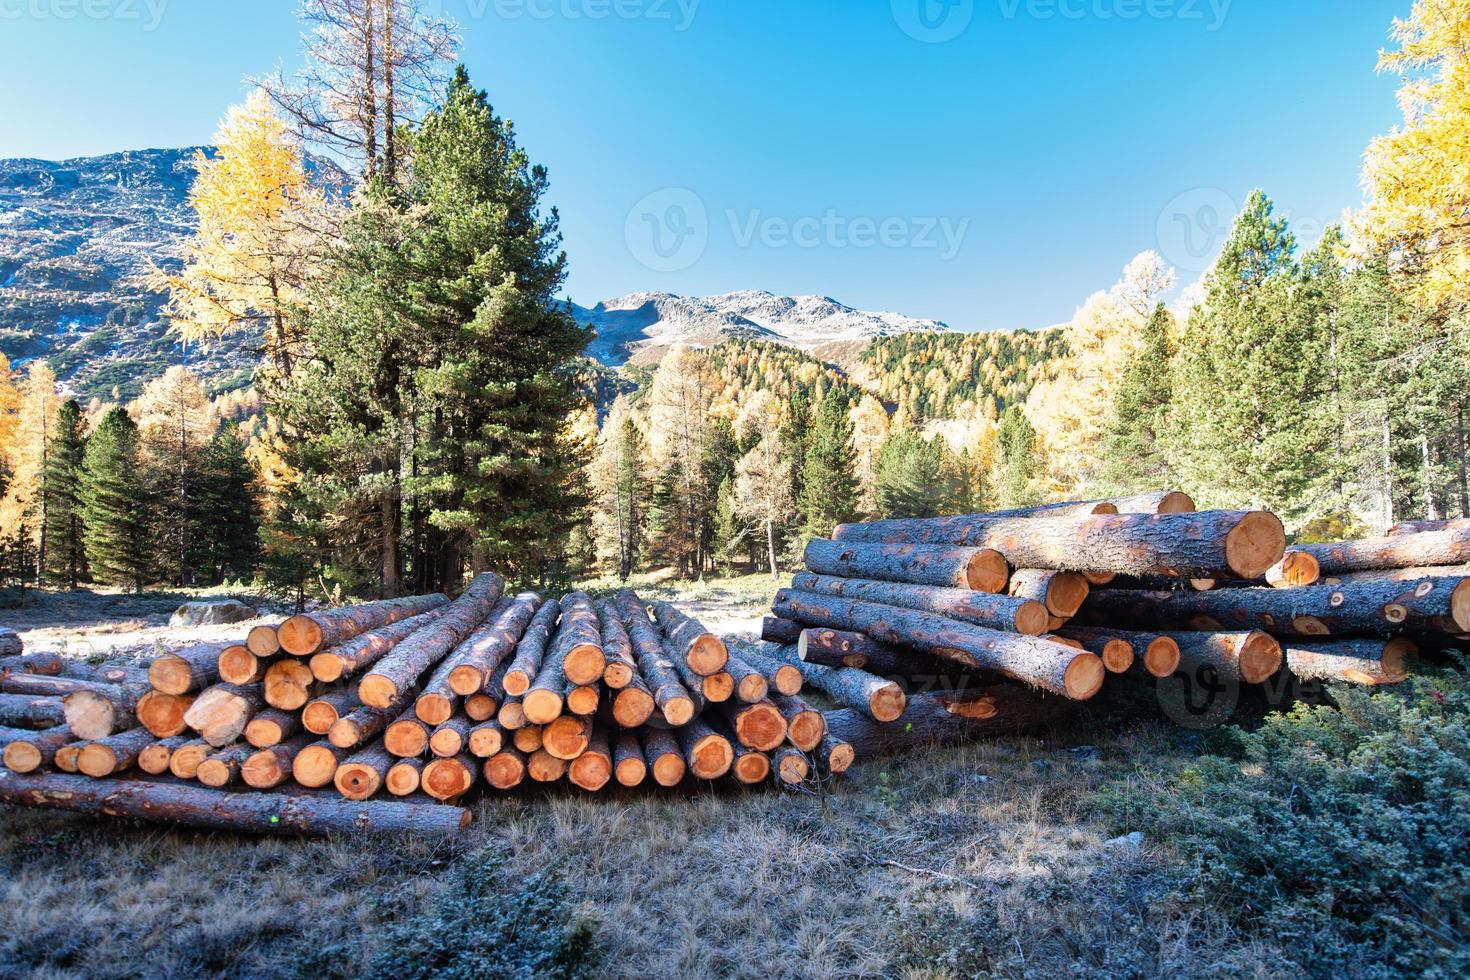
column 222, row 768
column 1370, row 662
column 480, row 707
column 694, row 646
column 996, row 612
column 10, row 643
column 1038, row 662
column 155, row 758
column 527, row 739
column 113, row 754
column 305, row 634
column 567, row 737
column 622, row 665
column 183, row 763
column 750, row 768
column 543, row 767
column 486, row 739
column 544, row 700
column 939, row 718
column 398, row 671
column 1160, row 653
column 35, row 749
column 592, row 768
column 404, row 777
column 288, row 684
column 24, row 711
column 1117, row 654
column 1160, row 502
column 47, row 664
column 1062, row 593
column 578, row 643
column 634, row 704
column 437, row 702
column 363, row 651
column 1398, row 574
column 664, row 757
column 790, row 766
column 103, row 710
column 511, row 714
column 852, row 688
column 760, row 726
column 840, row 648
column 316, row 764
column 750, row 684
column 1356, row 609
column 774, row 629
column 1449, row 546
column 1421, row 527
column 406, row 736
column 659, row 672
column 272, row 727
column 220, row 713
column 359, row 777
column 364, row 723
column 583, row 700
column 183, row 671
column 320, row 714
column 804, row 724
column 718, row 688
column 629, row 766
column 269, row 767
column 47, row 686
column 505, row 769
column 972, row 569
column 252, row 812
column 451, row 738
column 835, row 755
column 262, row 641
column 237, row 665
column 1208, row 544
column 531, row 649
column 475, row 662
column 706, row 752
column 1296, row 569
column 780, row 676
column 66, row 757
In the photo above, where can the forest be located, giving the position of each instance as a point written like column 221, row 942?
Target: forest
column 424, row 405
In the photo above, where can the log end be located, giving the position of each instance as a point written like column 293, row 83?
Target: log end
column 792, row 768
column 1066, row 592
column 567, row 737
column 262, row 733
column 466, row 680
column 542, row 707
column 1032, row 618
column 485, row 741
column 402, row 779
column 886, row 703
column 707, row 655
column 356, row 781
column 263, row 641
column 377, row 691
column 590, row 771
column 318, row 717
column 1083, row 677
column 987, row 571
column 516, row 683
column 543, row 767
column 184, row 763
column 718, row 687
column 326, row 667
column 584, row 663
column 1161, row 656
column 153, row 760
column 406, row 738
column 788, row 680
column 433, row 708
column 237, row 665
column 805, row 730
column 617, row 674
column 678, row 711
column 263, row 770
column 630, row 772
column 163, row 714
column 761, row 726
column 344, row 733
column 313, row 767
column 445, row 779
column 1295, row 570
column 632, row 707
column 446, row 743
column 299, row 636
column 710, row 757
column 1117, row 656
column 22, row 757
column 1460, row 605
column 583, row 700
column 1257, row 542
column 1260, row 657
column 1176, row 502
column 841, row 757
column 505, row 770
column 97, row 760
column 668, row 769
column 752, row 688
column 752, row 768
column 215, row 773
column 89, row 715
column 1397, row 654
column 170, row 674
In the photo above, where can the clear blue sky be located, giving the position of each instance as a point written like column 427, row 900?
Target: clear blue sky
column 984, row 162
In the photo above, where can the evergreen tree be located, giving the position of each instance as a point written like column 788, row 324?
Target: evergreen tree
column 910, row 477
column 115, row 504
column 61, row 486
column 796, row 437
column 229, row 517
column 1135, row 456
column 829, row 494
column 1018, row 459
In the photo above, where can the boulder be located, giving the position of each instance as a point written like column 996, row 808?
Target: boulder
column 212, row 613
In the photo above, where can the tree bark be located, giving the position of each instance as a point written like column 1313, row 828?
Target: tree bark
column 24, row 711
column 32, row 750
column 665, row 758
column 780, row 675
column 840, row 648
column 105, row 756
column 183, row 671
column 629, row 767
column 673, row 700
column 531, row 649
column 937, row 718
column 1062, row 593
column 697, row 647
column 774, row 629
column 1036, row 661
column 15, row 662
column 578, row 643
column 996, row 612
column 1399, row 574
column 975, row 569
column 195, row 806
column 362, row 724
column 1370, row 662
column 853, row 688
column 306, row 633
column 362, row 651
column 622, row 665
column 1450, row 546
column 396, row 673
column 220, row 713
column 1209, row 544
column 475, row 661
column 707, row 753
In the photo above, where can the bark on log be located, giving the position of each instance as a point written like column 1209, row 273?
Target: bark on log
column 263, row 641
column 114, row 753
column 505, row 769
column 359, row 777
column 363, row 651
column 272, row 727
column 48, row 664
column 996, row 612
column 1421, row 527
column 475, row 662
column 659, row 673
column 790, row 766
column 1356, row 609
column 320, row 714
column 195, row 806
column 592, row 768
column 288, row 684
column 35, row 749
column 578, row 643
column 10, row 643
column 780, row 676
column 835, row 755
column 841, row 648
column 397, row 672
column 1370, row 662
column 939, row 718
column 316, row 764
column 1117, row 654
column 1207, row 544
column 183, row 763
column 437, row 702
column 24, row 711
column 450, row 738
column 622, row 666
column 707, row 753
column 1154, row 653
column 1297, row 569
column 543, row 701
column 694, row 647
column 760, row 726
column 1399, row 574
column 486, row 739
column 1036, row 661
column 750, row 684
column 270, row 766
column 155, row 758
column 364, row 722
column 774, row 629
column 882, row 699
column 237, row 665
column 183, row 671
column 305, row 634
column 543, row 767
column 1450, row 546
column 531, row 649
column 804, row 724
column 972, row 569
column 404, row 777
column 220, row 713
column 629, row 767
column 103, row 710
column 222, row 768
column 664, row 757
column 1062, row 593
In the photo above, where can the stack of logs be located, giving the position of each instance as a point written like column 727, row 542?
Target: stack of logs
column 420, row 699
column 1055, row 600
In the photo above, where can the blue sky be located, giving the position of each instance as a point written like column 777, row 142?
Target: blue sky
column 984, row 162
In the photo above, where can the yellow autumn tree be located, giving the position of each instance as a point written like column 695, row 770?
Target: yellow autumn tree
column 1070, row 411
column 869, row 432
column 176, row 420
column 1417, row 178
column 260, row 231
column 34, row 403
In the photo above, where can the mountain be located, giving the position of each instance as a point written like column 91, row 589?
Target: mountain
column 641, row 326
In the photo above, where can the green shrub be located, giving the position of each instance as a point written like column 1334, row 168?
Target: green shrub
column 1339, row 832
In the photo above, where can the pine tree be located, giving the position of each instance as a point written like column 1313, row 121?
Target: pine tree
column 114, row 504
column 61, row 484
column 910, row 478
column 175, row 423
column 829, row 494
column 225, row 543
column 796, row 437
column 1135, row 458
column 1018, row 459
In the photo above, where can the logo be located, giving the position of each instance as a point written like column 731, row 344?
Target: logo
column 1192, row 228
column 933, row 21
column 668, row 230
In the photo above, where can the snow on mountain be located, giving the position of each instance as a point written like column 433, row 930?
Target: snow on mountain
column 640, row 326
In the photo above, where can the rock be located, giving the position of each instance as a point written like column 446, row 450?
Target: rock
column 1084, row 753
column 212, row 613
column 1131, row 843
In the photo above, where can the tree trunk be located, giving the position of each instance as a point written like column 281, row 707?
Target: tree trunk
column 1062, row 593
column 760, row 726
column 658, row 671
column 396, row 673
column 475, row 661
column 1450, row 546
column 363, row 651
column 621, row 667
column 707, row 753
column 703, row 651
column 996, row 612
column 15, row 662
column 195, row 806
column 223, row 767
column 531, row 649
column 1210, row 544
column 578, row 644
column 771, row 548
column 936, row 718
column 1250, row 657
column 1356, row 609
column 1403, row 527
column 629, row 767
column 389, row 535
column 220, row 713
column 774, row 629
column 190, row 669
column 32, row 750
column 665, row 758
column 305, row 634
column 976, row 569
column 1431, row 508
column 24, row 711
column 1369, row 662
column 750, row 684
column 115, row 753
column 779, row 675
column 1036, row 661
column 272, row 727
column 853, row 688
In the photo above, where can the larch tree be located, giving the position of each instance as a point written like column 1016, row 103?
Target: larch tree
column 176, row 422
column 678, row 436
column 66, row 561
column 869, row 432
column 23, row 507
column 622, row 488
column 763, row 481
column 114, row 504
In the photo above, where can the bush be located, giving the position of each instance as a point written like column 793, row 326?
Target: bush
column 1339, row 832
